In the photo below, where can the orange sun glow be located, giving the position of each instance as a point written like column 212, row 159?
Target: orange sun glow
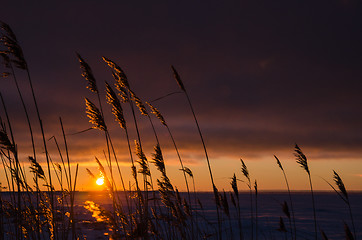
column 100, row 181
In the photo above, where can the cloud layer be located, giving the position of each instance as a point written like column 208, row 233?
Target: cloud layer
column 262, row 76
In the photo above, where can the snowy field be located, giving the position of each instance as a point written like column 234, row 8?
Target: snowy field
column 331, row 213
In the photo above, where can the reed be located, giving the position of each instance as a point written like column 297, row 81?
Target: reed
column 191, row 175
column 8, row 64
column 285, row 209
column 256, row 208
column 2, row 232
column 234, row 187
column 171, row 216
column 96, row 118
column 294, row 230
column 31, row 219
column 225, row 207
column 117, row 111
column 184, row 169
column 129, row 96
column 126, row 93
column 282, row 227
column 343, row 194
column 324, row 235
column 338, row 181
column 303, row 162
column 71, row 187
column 245, row 172
column 163, row 122
column 179, row 210
column 92, row 86
column 11, row 149
column 349, row 235
column 16, row 53
column 182, row 87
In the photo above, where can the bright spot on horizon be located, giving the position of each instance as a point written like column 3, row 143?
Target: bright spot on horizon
column 100, row 181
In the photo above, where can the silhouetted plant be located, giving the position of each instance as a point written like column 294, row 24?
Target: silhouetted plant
column 343, row 194
column 181, row 85
column 290, row 198
column 302, row 160
column 245, row 172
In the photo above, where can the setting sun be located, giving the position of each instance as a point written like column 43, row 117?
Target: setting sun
column 100, row 181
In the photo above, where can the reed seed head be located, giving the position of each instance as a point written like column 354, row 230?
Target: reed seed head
column 158, row 159
column 117, row 110
column 178, row 79
column 8, row 30
column 256, row 187
column 186, row 207
column 301, row 158
column 16, row 51
column 121, row 76
column 157, row 113
column 337, row 179
column 225, row 204
column 139, row 103
column 95, row 116
column 100, row 166
column 36, row 168
column 245, row 170
column 166, row 193
column 88, row 74
column 58, row 167
column 9, row 40
column 5, row 142
column 122, row 91
column 90, row 173
column 167, row 184
column 216, row 196
column 188, row 171
column 279, row 163
column 282, row 227
column 285, row 209
column 6, row 60
column 142, row 160
column 134, row 172
column 234, row 186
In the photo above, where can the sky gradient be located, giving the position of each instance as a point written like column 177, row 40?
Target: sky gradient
column 262, row 76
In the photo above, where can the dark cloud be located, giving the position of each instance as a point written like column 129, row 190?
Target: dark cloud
column 261, row 75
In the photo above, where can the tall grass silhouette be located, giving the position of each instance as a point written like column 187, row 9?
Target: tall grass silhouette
column 236, row 203
column 290, row 198
column 31, row 218
column 245, row 172
column 302, row 160
column 37, row 209
column 343, row 194
column 182, row 87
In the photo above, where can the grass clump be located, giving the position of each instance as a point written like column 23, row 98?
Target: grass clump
column 37, row 209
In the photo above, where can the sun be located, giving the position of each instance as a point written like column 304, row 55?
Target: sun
column 100, row 181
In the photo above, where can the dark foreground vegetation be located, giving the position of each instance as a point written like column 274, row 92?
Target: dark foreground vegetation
column 152, row 207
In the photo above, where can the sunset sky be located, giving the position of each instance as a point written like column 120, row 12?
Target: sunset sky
column 262, row 76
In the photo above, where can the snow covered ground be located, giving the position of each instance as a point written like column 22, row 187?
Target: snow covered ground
column 331, row 213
